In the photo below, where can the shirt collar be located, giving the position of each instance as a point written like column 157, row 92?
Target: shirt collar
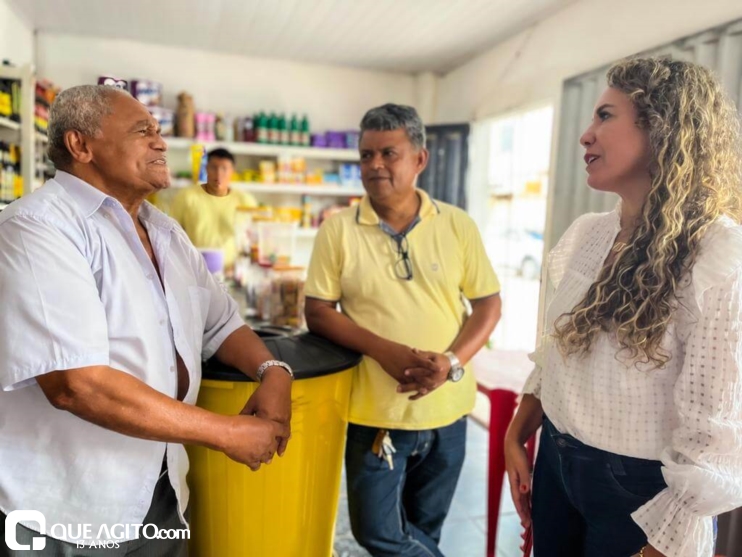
column 365, row 213
column 86, row 196
column 90, row 200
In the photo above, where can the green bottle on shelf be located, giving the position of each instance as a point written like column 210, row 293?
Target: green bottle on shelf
column 273, row 137
column 283, row 131
column 304, row 128
column 294, row 132
column 262, row 120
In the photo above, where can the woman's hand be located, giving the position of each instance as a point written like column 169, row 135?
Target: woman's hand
column 519, row 476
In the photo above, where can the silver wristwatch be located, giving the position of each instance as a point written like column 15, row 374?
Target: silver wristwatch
column 274, row 363
column 457, row 370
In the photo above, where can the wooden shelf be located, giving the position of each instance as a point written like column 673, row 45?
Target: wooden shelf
column 263, row 150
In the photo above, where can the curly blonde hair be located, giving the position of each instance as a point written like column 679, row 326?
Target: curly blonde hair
column 693, row 131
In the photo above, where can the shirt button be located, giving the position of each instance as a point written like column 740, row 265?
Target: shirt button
column 561, row 442
column 150, row 276
column 172, row 368
column 162, row 321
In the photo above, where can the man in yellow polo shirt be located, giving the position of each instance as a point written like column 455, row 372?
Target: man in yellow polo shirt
column 206, row 211
column 400, row 265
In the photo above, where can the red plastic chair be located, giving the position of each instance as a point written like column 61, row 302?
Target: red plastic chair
column 502, row 408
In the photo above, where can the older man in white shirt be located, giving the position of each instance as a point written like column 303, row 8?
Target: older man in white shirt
column 107, row 313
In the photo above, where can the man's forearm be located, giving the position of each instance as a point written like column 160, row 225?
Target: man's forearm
column 115, row 400
column 243, row 350
column 339, row 328
column 477, row 328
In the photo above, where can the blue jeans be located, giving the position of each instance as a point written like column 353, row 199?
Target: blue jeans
column 400, row 512
column 583, row 498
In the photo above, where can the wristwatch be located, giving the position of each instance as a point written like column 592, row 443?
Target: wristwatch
column 274, row 363
column 457, row 370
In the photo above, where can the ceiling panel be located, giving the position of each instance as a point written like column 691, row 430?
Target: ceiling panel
column 394, row 35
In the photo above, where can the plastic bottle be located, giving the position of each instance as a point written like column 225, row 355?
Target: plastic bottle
column 294, row 133
column 283, row 130
column 262, row 128
column 220, row 127
column 304, row 128
column 273, row 136
column 249, row 134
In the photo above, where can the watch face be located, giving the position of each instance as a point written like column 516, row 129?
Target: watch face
column 456, row 374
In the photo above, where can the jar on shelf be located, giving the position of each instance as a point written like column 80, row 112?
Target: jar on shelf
column 287, row 296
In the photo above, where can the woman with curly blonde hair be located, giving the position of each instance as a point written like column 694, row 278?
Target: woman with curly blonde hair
column 638, row 379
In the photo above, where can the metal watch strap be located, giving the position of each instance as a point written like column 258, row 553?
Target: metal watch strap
column 455, row 363
column 274, row 363
column 453, row 358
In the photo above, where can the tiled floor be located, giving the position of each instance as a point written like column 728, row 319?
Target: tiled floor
column 464, row 530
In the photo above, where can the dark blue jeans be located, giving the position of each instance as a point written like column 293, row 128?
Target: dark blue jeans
column 400, row 512
column 583, row 498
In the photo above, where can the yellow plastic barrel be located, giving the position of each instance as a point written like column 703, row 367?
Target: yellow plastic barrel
column 288, row 508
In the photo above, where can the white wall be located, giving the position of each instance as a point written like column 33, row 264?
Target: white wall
column 530, row 67
column 16, row 37
column 333, row 97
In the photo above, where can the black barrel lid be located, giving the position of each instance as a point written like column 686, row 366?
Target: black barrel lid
column 308, row 355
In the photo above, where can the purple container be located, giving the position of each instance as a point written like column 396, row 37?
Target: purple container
column 113, row 82
column 319, row 140
column 147, row 92
column 214, row 259
column 336, row 140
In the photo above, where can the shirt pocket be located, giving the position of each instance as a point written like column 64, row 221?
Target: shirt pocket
column 199, row 306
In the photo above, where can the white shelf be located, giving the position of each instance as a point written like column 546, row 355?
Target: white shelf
column 3, row 205
column 263, row 150
column 41, row 138
column 10, row 72
column 8, row 123
column 328, row 190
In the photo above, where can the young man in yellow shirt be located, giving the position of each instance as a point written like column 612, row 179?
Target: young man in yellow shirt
column 206, row 211
column 399, row 264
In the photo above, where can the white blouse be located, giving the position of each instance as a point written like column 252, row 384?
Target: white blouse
column 687, row 414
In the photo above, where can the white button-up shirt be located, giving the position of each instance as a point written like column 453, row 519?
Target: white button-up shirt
column 78, row 289
column 687, row 414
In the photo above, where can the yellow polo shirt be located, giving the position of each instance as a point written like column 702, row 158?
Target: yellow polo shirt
column 209, row 220
column 353, row 262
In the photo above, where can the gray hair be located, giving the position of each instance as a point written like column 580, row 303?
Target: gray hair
column 390, row 117
column 78, row 108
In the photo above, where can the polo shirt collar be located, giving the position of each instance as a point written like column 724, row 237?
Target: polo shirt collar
column 365, row 213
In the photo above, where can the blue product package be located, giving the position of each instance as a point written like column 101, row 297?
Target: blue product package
column 346, row 175
column 202, row 176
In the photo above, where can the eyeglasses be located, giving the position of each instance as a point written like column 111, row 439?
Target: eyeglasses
column 403, row 266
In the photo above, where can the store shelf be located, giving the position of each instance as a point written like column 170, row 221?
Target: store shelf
column 9, row 124
column 11, row 72
column 328, row 190
column 262, row 150
column 3, row 205
column 41, row 138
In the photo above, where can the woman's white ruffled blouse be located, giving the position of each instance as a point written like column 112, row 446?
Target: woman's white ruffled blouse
column 687, row 414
